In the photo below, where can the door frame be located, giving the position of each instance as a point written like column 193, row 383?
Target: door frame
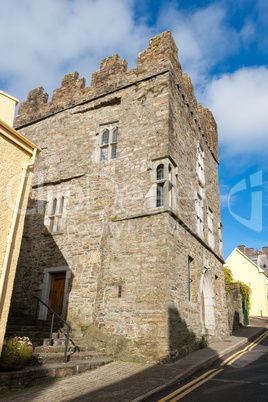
column 207, row 308
column 45, row 290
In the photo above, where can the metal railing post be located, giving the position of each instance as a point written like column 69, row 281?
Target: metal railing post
column 66, row 346
column 51, row 329
column 69, row 328
column 36, row 312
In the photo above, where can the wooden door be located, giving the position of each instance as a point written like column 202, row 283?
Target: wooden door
column 56, row 294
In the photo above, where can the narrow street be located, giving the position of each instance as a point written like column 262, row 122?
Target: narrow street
column 239, row 376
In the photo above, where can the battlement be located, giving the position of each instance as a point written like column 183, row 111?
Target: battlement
column 161, row 55
column 110, row 67
column 209, row 127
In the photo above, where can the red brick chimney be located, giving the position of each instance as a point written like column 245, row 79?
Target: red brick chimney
column 265, row 250
column 241, row 248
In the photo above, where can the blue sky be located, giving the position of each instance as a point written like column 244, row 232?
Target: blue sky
column 223, row 46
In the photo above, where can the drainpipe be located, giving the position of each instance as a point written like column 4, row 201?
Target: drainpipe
column 13, row 224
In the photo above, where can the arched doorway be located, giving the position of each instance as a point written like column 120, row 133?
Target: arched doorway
column 207, row 304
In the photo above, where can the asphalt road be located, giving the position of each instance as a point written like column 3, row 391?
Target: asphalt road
column 240, row 376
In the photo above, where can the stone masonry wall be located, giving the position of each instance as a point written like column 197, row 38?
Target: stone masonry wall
column 235, row 310
column 128, row 258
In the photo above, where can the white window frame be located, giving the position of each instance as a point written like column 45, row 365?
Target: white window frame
column 111, row 144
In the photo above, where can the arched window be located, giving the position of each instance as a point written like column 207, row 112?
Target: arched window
column 160, row 172
column 108, row 142
column 105, row 138
column 114, row 143
column 59, row 220
column 52, row 216
column 56, row 215
column 163, row 175
column 104, row 145
column 200, row 164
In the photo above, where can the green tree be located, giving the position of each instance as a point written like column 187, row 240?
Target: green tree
column 244, row 288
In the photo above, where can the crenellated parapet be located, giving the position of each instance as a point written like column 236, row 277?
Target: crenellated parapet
column 70, row 86
column 189, row 91
column 109, row 68
column 162, row 54
column 209, row 127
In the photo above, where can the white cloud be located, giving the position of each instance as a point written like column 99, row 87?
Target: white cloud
column 46, row 39
column 203, row 37
column 239, row 104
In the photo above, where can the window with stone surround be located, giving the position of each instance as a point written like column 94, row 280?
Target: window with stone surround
column 200, row 164
column 220, row 226
column 55, row 216
column 160, row 186
column 190, row 280
column 164, row 179
column 199, row 214
column 108, row 141
column 211, row 241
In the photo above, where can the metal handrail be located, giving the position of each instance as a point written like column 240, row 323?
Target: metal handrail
column 69, row 328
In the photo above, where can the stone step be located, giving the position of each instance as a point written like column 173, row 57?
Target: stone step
column 61, row 348
column 58, row 356
column 34, row 375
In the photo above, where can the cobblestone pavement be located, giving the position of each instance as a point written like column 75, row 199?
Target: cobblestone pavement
column 94, row 385
column 126, row 381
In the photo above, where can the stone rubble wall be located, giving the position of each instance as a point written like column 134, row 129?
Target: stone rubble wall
column 112, row 235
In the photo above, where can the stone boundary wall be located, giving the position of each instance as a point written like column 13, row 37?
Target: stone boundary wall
column 159, row 57
column 234, row 306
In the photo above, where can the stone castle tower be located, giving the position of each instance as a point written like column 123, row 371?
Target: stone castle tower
column 123, row 229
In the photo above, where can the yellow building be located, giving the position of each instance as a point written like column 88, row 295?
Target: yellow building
column 17, row 157
column 245, row 270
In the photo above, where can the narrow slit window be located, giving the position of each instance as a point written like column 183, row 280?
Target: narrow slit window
column 119, row 295
column 190, row 260
column 170, row 186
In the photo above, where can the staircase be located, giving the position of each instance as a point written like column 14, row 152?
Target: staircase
column 48, row 358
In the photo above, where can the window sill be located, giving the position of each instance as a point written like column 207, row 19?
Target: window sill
column 54, row 233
